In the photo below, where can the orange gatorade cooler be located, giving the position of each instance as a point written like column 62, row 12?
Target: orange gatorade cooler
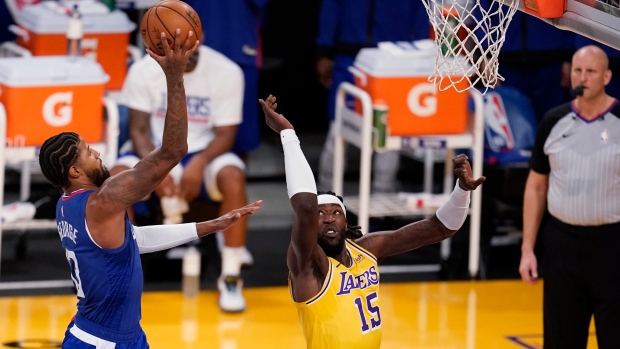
column 47, row 95
column 43, row 29
column 399, row 78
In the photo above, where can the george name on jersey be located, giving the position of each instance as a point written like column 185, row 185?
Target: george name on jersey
column 349, row 282
column 66, row 230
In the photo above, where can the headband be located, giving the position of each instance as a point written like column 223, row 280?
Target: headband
column 331, row 199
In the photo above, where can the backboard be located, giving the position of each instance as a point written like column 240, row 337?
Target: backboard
column 595, row 19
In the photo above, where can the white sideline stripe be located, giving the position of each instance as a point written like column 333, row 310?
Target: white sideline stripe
column 18, row 285
column 421, row 268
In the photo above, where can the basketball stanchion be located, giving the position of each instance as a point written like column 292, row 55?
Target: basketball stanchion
column 469, row 37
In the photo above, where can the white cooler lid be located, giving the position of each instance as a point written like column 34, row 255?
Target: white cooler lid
column 50, row 71
column 393, row 59
column 50, row 17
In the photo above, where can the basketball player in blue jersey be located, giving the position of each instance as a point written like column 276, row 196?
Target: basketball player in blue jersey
column 333, row 272
column 102, row 246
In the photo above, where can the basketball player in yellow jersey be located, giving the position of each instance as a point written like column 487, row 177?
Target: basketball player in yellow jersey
column 333, row 273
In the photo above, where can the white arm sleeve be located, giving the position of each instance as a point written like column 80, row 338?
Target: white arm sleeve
column 299, row 177
column 153, row 238
column 453, row 212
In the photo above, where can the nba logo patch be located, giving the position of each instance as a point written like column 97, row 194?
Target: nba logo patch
column 496, row 126
column 62, row 211
column 605, row 136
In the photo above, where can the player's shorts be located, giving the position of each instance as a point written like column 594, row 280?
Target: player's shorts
column 209, row 189
column 76, row 338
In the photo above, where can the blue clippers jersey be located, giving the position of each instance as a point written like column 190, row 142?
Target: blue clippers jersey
column 108, row 281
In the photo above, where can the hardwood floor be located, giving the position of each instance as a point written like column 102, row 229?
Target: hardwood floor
column 422, row 315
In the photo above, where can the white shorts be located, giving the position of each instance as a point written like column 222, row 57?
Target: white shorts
column 209, row 174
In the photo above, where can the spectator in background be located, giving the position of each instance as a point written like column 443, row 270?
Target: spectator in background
column 571, row 196
column 233, row 29
column 214, row 93
column 613, row 88
column 536, row 59
column 345, row 27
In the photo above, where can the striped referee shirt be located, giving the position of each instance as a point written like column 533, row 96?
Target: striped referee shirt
column 582, row 159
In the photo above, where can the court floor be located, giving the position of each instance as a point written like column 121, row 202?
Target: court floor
column 421, row 315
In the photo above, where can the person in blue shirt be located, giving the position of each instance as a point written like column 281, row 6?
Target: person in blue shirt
column 345, row 27
column 233, row 28
column 101, row 245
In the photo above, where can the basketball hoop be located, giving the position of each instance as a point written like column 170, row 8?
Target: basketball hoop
column 469, row 37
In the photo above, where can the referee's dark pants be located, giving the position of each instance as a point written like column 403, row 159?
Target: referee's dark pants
column 581, row 279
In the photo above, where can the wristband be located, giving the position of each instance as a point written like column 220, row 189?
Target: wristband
column 454, row 212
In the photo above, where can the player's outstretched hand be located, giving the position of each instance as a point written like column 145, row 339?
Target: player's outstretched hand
column 462, row 169
column 225, row 221
column 275, row 121
column 176, row 57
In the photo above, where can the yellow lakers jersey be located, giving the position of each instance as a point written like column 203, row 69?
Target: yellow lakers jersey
column 346, row 312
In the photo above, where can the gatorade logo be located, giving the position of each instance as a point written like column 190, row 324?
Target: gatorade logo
column 57, row 109
column 422, row 100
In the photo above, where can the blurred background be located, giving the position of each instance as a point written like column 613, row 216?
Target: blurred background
column 290, row 50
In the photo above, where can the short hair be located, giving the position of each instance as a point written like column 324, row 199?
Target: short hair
column 353, row 231
column 56, row 156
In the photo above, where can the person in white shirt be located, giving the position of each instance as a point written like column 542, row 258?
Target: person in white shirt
column 214, row 97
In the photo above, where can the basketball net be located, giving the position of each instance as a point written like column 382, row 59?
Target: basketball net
column 469, row 37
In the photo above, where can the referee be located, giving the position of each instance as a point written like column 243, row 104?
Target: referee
column 574, row 176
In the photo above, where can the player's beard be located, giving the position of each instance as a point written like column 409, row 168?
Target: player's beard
column 332, row 250
column 98, row 176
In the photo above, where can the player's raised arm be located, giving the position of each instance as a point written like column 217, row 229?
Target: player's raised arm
column 129, row 186
column 443, row 224
column 303, row 251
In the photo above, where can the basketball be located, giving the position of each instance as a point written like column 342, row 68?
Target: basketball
column 166, row 16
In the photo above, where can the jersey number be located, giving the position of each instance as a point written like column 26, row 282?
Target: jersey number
column 75, row 272
column 371, row 311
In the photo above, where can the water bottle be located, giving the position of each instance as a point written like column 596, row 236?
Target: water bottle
column 380, row 110
column 74, row 33
column 191, row 272
column 449, row 45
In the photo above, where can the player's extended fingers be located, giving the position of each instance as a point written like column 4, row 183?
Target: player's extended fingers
column 187, row 43
column 164, row 42
column 153, row 54
column 255, row 206
column 177, row 39
column 460, row 171
column 480, row 180
column 459, row 159
column 264, row 105
column 249, row 210
column 193, row 49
